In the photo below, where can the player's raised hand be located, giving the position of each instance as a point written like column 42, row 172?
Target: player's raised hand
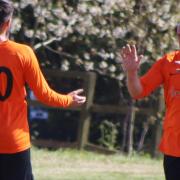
column 130, row 59
column 78, row 99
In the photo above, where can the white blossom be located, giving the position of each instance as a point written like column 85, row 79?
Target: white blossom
column 87, row 56
column 95, row 11
column 121, row 76
column 103, row 65
column 111, row 55
column 112, row 68
column 25, row 3
column 65, row 65
column 82, row 8
column 51, row 26
column 41, row 35
column 119, row 32
column 29, row 33
column 88, row 65
column 16, row 25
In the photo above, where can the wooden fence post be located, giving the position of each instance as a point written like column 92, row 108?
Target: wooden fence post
column 85, row 116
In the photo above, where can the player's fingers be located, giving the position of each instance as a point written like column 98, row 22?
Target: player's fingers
column 140, row 58
column 122, row 53
column 79, row 98
column 82, row 100
column 133, row 48
column 128, row 48
column 78, row 91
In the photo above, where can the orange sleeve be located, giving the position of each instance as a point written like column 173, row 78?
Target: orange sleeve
column 36, row 81
column 152, row 79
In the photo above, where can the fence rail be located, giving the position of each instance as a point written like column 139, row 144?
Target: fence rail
column 89, row 83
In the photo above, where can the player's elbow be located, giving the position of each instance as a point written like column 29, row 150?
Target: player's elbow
column 136, row 94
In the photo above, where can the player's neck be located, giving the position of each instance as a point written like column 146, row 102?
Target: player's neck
column 3, row 37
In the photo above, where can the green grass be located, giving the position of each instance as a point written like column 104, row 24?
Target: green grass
column 82, row 165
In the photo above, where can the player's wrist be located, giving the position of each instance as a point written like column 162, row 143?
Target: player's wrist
column 131, row 72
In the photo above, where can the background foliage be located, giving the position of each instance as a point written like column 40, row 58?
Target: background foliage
column 87, row 35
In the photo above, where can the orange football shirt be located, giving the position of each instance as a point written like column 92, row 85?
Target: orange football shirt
column 19, row 65
column 166, row 72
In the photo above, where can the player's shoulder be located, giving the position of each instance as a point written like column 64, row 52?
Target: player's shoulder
column 22, row 52
column 171, row 56
column 19, row 47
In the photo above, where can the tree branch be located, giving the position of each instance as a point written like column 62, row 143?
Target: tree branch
column 45, row 43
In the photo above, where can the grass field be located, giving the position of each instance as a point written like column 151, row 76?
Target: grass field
column 82, row 165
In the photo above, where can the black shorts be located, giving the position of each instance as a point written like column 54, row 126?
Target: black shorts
column 172, row 167
column 16, row 166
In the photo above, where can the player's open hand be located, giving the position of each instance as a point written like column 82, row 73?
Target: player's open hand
column 130, row 59
column 78, row 99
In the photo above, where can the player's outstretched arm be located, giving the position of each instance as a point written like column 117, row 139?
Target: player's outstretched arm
column 130, row 63
column 36, row 81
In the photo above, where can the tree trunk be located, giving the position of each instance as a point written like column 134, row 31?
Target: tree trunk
column 143, row 134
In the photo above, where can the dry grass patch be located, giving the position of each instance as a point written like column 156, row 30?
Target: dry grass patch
column 82, row 165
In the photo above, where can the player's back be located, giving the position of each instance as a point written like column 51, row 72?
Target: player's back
column 18, row 65
column 14, row 131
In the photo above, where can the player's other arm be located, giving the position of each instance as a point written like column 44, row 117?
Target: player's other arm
column 139, row 87
column 36, row 81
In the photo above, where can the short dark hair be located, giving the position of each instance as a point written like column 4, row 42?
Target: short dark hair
column 6, row 11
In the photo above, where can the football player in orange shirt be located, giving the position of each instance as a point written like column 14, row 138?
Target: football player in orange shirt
column 166, row 72
column 18, row 66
